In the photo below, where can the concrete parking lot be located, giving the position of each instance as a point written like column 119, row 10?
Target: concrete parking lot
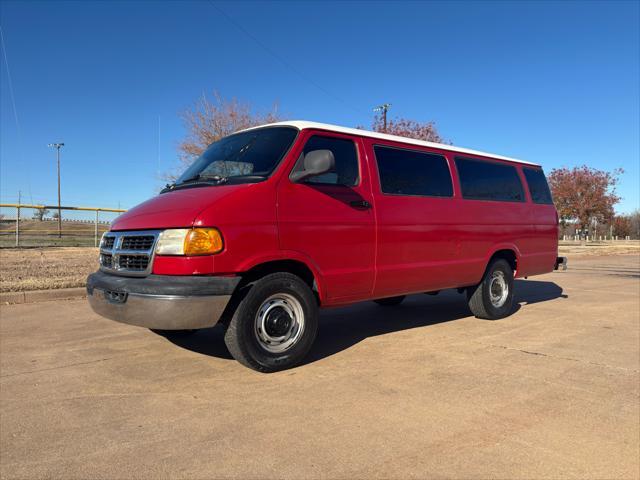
column 422, row 390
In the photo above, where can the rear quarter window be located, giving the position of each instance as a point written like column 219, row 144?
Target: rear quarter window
column 481, row 180
column 538, row 186
column 411, row 172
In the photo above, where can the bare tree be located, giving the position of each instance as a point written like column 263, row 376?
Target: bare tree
column 621, row 225
column 634, row 219
column 409, row 128
column 40, row 213
column 211, row 118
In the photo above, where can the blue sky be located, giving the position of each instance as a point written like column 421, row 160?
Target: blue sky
column 556, row 83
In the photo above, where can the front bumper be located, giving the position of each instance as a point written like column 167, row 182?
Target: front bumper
column 161, row 302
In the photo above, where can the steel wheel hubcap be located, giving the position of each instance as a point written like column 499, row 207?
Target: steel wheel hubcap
column 279, row 323
column 498, row 289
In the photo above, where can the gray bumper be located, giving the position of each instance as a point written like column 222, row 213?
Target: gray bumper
column 160, row 301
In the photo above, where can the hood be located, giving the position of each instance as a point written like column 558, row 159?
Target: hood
column 177, row 209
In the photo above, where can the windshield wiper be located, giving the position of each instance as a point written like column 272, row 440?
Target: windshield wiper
column 214, row 178
column 196, row 179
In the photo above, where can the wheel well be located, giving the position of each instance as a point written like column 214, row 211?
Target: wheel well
column 509, row 256
column 291, row 266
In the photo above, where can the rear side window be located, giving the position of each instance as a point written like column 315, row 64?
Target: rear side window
column 482, row 180
column 409, row 172
column 538, row 186
column 344, row 151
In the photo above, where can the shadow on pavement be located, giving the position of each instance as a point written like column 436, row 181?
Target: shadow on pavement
column 341, row 328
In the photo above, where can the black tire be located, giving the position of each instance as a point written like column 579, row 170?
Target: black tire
column 243, row 332
column 173, row 333
column 390, row 301
column 480, row 296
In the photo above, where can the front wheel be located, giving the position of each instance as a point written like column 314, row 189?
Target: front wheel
column 492, row 298
column 274, row 325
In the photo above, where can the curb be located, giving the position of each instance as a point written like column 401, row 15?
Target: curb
column 42, row 295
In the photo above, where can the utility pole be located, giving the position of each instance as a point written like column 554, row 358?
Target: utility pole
column 383, row 108
column 18, row 219
column 58, row 146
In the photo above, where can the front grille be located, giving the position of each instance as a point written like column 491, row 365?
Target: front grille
column 137, row 243
column 133, row 262
column 107, row 242
column 128, row 253
column 105, row 259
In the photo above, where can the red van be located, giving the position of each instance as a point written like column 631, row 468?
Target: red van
column 272, row 223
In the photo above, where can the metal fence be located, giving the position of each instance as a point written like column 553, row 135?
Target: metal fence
column 24, row 225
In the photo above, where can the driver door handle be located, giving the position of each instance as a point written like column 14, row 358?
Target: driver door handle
column 360, row 204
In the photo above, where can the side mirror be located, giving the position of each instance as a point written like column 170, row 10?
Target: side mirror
column 314, row 163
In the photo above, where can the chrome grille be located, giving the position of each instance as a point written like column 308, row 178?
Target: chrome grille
column 144, row 242
column 133, row 262
column 107, row 242
column 128, row 253
column 105, row 260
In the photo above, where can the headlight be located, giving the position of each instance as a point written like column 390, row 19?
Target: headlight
column 189, row 241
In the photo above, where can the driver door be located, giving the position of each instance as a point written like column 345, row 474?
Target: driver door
column 329, row 218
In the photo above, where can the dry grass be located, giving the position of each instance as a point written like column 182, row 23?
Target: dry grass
column 576, row 249
column 42, row 234
column 48, row 268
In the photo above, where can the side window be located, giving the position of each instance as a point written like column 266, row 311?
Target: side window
column 346, row 169
column 409, row 172
column 480, row 180
column 538, row 186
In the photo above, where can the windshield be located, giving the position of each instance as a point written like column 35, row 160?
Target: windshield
column 255, row 153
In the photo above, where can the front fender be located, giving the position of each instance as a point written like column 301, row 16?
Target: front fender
column 292, row 255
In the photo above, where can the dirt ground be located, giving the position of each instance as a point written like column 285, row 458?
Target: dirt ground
column 62, row 267
column 421, row 390
column 45, row 268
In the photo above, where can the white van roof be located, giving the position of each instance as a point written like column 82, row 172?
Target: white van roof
column 303, row 124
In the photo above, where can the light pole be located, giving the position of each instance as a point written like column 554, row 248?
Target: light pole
column 58, row 146
column 383, row 108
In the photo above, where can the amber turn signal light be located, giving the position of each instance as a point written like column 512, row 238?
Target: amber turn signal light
column 203, row 241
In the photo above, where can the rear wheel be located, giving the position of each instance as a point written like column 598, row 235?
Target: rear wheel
column 492, row 298
column 274, row 325
column 390, row 301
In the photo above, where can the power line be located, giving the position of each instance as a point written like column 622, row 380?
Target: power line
column 13, row 103
column 283, row 61
column 10, row 82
